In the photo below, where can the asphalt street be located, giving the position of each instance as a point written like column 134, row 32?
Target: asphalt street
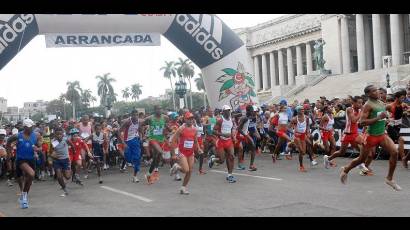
column 273, row 190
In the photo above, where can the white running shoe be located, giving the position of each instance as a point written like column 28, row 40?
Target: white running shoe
column 326, row 161
column 85, row 176
column 65, row 193
column 393, row 184
column 9, row 183
column 363, row 167
column 177, row 177
column 173, row 170
column 135, row 179
column 313, row 163
column 184, row 191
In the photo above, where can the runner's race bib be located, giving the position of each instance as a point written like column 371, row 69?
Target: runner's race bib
column 167, row 155
column 266, row 125
column 188, row 144
column 157, row 132
column 55, row 143
column 226, row 130
column 85, row 135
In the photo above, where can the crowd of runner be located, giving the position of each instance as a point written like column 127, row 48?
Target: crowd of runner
column 70, row 150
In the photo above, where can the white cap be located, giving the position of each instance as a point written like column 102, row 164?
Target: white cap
column 14, row 131
column 3, row 132
column 226, row 107
column 28, row 123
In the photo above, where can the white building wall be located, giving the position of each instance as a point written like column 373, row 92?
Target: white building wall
column 332, row 49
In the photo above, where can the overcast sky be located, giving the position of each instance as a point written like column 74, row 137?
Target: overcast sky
column 40, row 73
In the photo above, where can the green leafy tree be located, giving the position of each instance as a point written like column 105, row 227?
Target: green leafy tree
column 126, row 93
column 136, row 91
column 186, row 70
column 169, row 73
column 73, row 94
column 201, row 86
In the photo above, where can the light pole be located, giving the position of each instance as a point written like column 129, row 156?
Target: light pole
column 180, row 89
column 388, row 87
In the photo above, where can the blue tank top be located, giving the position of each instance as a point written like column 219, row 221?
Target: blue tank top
column 252, row 125
column 25, row 147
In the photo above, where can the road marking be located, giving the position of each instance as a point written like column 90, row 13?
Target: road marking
column 127, row 194
column 240, row 174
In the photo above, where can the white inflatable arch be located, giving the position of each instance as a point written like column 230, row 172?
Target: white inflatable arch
column 203, row 38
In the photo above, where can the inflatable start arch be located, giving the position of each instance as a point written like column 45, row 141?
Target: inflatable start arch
column 203, row 38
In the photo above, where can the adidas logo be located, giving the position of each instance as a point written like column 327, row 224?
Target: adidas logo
column 205, row 29
column 10, row 29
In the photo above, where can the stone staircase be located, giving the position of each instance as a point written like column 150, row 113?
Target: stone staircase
column 341, row 85
column 352, row 84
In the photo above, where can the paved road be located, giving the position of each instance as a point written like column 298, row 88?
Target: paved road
column 273, row 190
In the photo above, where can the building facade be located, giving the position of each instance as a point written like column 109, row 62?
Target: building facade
column 31, row 108
column 13, row 114
column 3, row 105
column 282, row 50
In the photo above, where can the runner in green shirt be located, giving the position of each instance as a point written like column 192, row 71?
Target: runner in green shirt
column 374, row 116
column 157, row 125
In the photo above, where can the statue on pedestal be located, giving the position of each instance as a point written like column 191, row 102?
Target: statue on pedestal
column 318, row 55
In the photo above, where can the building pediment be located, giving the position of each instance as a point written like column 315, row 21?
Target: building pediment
column 282, row 29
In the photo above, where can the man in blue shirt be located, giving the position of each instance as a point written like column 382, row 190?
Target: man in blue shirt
column 28, row 144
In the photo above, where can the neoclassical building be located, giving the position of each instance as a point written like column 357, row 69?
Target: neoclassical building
column 359, row 49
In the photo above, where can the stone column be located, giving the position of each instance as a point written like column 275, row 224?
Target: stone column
column 299, row 62
column 377, row 44
column 273, row 81
column 256, row 72
column 291, row 78
column 309, row 58
column 281, row 68
column 344, row 27
column 264, row 73
column 361, row 50
column 368, row 42
column 383, row 35
column 395, row 39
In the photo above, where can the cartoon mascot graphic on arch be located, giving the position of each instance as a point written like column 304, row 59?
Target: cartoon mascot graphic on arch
column 238, row 84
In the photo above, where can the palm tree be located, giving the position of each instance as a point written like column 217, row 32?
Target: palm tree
column 63, row 98
column 86, row 97
column 105, row 89
column 73, row 94
column 93, row 99
column 136, row 91
column 186, row 70
column 169, row 72
column 126, row 93
column 201, row 86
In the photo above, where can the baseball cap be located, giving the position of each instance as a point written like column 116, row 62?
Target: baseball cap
column 283, row 102
column 306, row 106
column 226, row 107
column 3, row 132
column 188, row 115
column 298, row 108
column 74, row 131
column 14, row 131
column 28, row 123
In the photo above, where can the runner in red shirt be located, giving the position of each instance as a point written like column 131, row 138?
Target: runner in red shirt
column 186, row 136
column 351, row 134
column 74, row 150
